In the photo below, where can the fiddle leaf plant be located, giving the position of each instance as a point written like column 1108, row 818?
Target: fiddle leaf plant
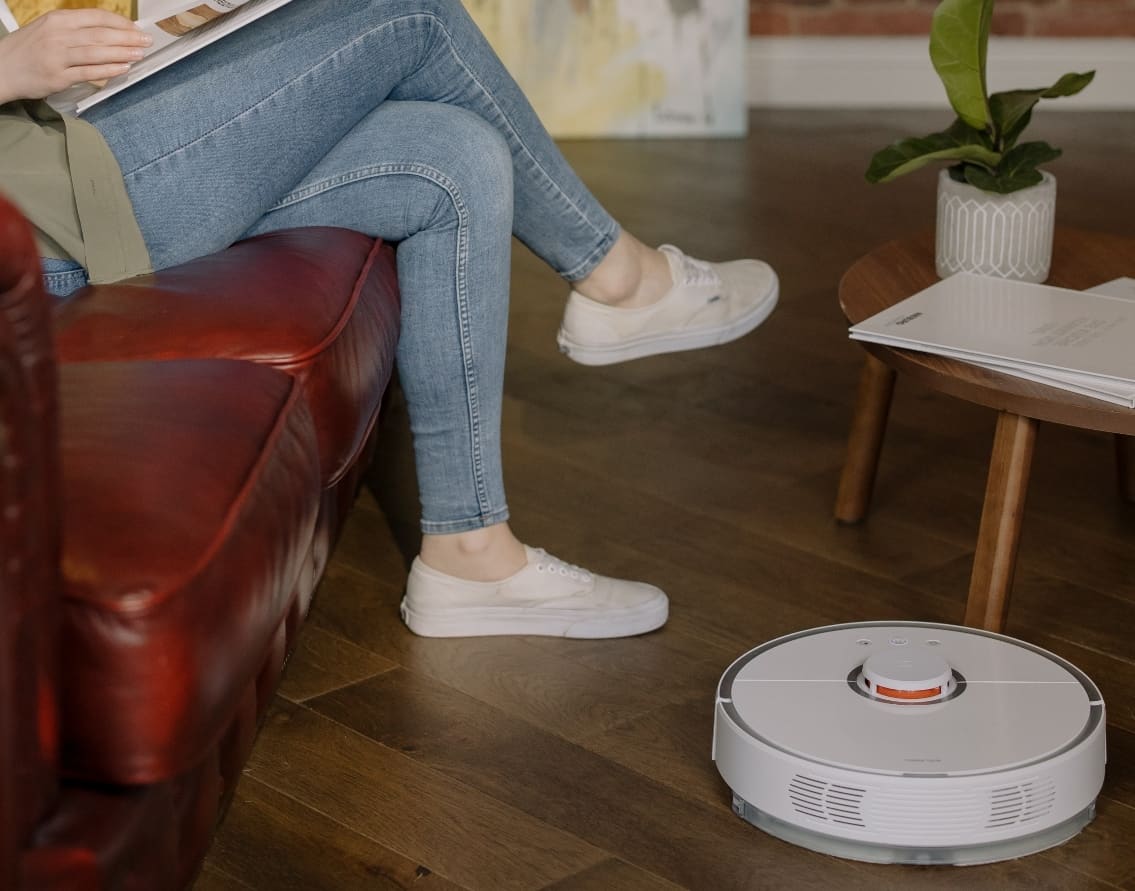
column 983, row 139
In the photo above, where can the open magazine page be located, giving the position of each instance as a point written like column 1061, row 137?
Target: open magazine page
column 174, row 48
column 1085, row 385
column 167, row 20
column 1034, row 326
column 7, row 20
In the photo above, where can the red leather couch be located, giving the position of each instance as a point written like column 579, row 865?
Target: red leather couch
column 177, row 452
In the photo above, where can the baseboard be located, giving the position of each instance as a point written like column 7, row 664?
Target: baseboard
column 895, row 72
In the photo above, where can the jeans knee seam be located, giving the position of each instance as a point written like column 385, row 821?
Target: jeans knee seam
column 373, row 171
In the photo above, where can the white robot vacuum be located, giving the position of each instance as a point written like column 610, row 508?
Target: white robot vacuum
column 910, row 742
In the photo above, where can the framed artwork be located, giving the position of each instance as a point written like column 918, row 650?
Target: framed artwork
column 625, row 67
column 26, row 10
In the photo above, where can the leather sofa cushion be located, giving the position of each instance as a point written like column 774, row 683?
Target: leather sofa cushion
column 320, row 303
column 190, row 494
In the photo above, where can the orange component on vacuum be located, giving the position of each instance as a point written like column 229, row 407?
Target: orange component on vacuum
column 907, row 694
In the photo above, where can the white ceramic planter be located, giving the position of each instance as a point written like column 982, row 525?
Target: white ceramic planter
column 1004, row 235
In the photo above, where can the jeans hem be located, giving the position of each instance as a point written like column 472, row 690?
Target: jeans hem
column 586, row 266
column 449, row 527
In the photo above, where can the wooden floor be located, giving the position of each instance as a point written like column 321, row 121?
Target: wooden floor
column 394, row 762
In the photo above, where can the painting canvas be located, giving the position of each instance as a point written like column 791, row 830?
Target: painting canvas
column 625, row 67
column 26, row 10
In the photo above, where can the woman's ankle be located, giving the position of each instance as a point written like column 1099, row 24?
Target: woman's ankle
column 479, row 555
column 631, row 275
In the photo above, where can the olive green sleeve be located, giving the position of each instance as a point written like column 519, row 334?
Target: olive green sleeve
column 61, row 174
column 111, row 237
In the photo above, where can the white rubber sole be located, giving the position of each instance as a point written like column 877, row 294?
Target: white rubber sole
column 488, row 621
column 671, row 342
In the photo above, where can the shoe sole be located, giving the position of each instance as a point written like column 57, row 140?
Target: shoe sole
column 674, row 342
column 495, row 621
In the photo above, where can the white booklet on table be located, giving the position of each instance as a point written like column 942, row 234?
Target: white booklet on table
column 1080, row 341
column 179, row 29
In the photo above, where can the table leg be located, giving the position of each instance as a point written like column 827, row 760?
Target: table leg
column 1125, row 466
column 996, row 554
column 869, row 423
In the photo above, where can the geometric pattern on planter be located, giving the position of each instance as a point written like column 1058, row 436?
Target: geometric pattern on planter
column 1004, row 235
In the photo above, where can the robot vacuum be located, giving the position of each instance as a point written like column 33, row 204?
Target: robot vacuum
column 910, row 742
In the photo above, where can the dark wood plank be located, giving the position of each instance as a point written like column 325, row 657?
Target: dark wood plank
column 448, row 827
column 779, row 509
column 273, row 841
column 638, row 819
column 613, row 874
column 322, row 661
column 1105, row 850
column 614, row 809
column 212, row 879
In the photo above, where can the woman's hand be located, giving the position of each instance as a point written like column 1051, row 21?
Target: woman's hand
column 64, row 48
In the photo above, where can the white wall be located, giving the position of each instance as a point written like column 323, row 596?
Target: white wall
column 895, row 72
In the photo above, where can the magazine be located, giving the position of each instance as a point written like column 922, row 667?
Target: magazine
column 179, row 28
column 1078, row 341
column 1085, row 385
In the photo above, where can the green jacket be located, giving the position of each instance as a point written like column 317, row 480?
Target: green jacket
column 59, row 171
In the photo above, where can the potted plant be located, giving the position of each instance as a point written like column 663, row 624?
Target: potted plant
column 995, row 204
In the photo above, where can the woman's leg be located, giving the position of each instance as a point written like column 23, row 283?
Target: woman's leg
column 438, row 180
column 192, row 140
column 209, row 145
column 195, row 137
column 675, row 302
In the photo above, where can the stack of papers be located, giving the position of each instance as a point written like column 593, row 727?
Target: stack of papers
column 1080, row 341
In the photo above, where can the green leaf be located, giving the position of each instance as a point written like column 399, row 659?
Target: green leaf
column 1018, row 169
column 959, row 143
column 1028, row 155
column 959, row 42
column 1069, row 85
column 999, row 183
column 1011, row 110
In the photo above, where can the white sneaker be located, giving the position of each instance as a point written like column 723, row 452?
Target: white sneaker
column 710, row 303
column 548, row 596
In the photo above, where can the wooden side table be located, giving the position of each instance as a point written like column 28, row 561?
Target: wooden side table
column 900, row 268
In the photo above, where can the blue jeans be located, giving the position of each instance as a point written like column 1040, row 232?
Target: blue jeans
column 395, row 118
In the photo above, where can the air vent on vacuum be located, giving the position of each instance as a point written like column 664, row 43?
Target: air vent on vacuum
column 827, row 801
column 1020, row 803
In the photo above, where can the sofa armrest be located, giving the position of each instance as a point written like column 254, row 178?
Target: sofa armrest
column 29, row 546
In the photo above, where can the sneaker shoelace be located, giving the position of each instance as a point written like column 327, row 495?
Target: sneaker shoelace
column 694, row 272
column 554, row 565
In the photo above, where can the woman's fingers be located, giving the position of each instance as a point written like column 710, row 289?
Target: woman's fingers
column 66, row 47
column 93, row 44
column 85, row 18
column 89, row 28
column 96, row 74
column 101, row 35
column 79, row 56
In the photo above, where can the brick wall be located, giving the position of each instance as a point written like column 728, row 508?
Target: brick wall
column 1015, row 18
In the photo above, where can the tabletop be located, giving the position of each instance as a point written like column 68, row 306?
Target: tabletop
column 896, row 270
